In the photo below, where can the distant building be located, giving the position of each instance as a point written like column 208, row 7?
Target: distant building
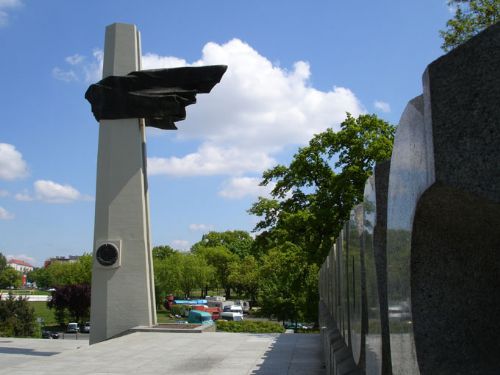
column 20, row 265
column 61, row 259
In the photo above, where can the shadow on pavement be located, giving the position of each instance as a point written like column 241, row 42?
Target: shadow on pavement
column 26, row 351
column 293, row 354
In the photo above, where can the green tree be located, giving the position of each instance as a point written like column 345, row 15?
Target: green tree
column 17, row 318
column 244, row 277
column 313, row 196
column 162, row 252
column 195, row 273
column 220, row 258
column 3, row 262
column 238, row 242
column 167, row 275
column 64, row 273
column 41, row 277
column 10, row 277
column 288, row 284
column 471, row 17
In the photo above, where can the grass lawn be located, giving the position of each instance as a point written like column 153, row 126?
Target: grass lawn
column 163, row 317
column 42, row 311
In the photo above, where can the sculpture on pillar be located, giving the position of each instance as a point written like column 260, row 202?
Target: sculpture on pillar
column 124, row 102
column 159, row 96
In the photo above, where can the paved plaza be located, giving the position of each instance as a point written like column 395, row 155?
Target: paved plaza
column 147, row 353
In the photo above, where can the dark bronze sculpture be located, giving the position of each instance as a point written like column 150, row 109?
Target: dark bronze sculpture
column 160, row 96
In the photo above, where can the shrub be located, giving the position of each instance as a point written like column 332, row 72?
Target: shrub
column 17, row 318
column 249, row 326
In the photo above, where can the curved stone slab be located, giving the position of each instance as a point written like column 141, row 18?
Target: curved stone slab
column 353, row 267
column 373, row 337
column 455, row 268
column 410, row 175
column 377, row 346
column 462, row 91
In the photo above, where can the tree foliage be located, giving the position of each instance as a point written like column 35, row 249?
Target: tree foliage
column 73, row 299
column 9, row 277
column 238, row 242
column 64, row 273
column 3, row 262
column 220, row 258
column 195, row 273
column 244, row 277
column 311, row 200
column 17, row 318
column 163, row 252
column 471, row 17
column 180, row 273
column 288, row 284
column 313, row 196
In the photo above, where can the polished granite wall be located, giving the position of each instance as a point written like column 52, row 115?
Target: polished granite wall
column 412, row 284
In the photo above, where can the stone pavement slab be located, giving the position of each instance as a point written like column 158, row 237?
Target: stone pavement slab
column 148, row 353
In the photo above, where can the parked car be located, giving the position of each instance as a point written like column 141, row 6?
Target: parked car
column 49, row 335
column 245, row 305
column 85, row 328
column 231, row 316
column 233, row 308
column 293, row 325
column 215, row 311
column 72, row 328
column 200, row 317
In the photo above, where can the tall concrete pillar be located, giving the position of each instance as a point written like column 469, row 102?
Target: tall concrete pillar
column 122, row 272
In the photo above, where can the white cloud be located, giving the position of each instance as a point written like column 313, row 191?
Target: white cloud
column 201, row 227
column 5, row 215
column 74, row 59
column 23, row 197
column 4, row 193
column 93, row 70
column 79, row 69
column 154, row 61
column 64, row 75
column 240, row 187
column 10, row 3
column 52, row 192
column 12, row 165
column 7, row 5
column 180, row 244
column 256, row 110
column 211, row 159
column 382, row 106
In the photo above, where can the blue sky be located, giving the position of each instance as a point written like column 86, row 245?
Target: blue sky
column 295, row 68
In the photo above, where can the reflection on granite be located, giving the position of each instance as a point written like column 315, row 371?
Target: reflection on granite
column 408, row 179
column 382, row 170
column 354, row 271
column 373, row 326
column 344, row 283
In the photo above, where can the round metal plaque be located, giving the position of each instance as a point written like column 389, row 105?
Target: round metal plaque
column 107, row 254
